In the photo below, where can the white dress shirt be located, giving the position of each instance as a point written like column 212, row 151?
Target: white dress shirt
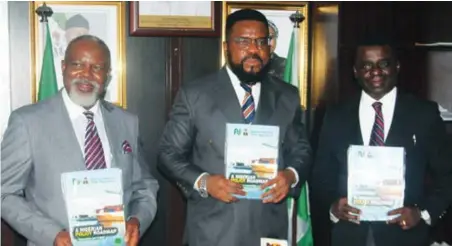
column 367, row 113
column 366, row 122
column 240, row 92
column 79, row 123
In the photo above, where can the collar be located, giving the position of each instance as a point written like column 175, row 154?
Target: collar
column 388, row 99
column 76, row 110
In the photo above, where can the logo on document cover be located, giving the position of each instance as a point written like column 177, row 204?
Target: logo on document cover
column 241, row 132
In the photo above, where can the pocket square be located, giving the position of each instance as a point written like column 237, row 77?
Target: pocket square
column 126, row 147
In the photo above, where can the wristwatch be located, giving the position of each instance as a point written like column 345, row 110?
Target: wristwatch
column 203, row 186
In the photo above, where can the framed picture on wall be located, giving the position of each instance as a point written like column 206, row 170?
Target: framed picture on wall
column 72, row 19
column 281, row 28
column 439, row 86
column 175, row 18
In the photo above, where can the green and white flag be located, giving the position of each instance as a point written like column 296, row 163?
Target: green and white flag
column 303, row 225
column 48, row 81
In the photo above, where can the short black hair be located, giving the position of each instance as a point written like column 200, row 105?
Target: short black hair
column 377, row 40
column 91, row 38
column 242, row 15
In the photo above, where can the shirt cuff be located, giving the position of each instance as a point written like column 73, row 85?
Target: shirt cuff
column 296, row 176
column 333, row 218
column 426, row 217
column 195, row 185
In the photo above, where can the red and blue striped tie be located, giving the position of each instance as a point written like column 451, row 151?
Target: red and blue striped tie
column 377, row 137
column 94, row 153
column 248, row 110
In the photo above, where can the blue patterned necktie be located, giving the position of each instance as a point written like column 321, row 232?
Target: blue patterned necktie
column 377, row 137
column 248, row 110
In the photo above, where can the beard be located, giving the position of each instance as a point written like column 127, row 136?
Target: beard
column 252, row 76
column 84, row 99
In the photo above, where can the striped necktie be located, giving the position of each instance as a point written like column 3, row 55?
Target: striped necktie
column 248, row 110
column 94, row 153
column 377, row 137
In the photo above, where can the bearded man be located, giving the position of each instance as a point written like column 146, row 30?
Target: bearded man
column 192, row 147
column 72, row 131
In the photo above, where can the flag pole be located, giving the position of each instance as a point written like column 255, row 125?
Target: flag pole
column 44, row 12
column 48, row 85
column 296, row 18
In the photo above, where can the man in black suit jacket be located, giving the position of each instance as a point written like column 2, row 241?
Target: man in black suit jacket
column 192, row 147
column 409, row 122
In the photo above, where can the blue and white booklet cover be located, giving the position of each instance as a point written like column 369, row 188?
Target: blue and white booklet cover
column 94, row 203
column 376, row 180
column 251, row 156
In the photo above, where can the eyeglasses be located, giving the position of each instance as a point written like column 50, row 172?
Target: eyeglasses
column 383, row 64
column 245, row 43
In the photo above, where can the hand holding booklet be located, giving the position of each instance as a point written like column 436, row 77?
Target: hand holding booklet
column 376, row 180
column 94, row 204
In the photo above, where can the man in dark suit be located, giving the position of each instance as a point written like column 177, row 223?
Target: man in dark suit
column 192, row 146
column 402, row 120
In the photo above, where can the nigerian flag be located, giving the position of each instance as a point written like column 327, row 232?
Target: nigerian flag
column 303, row 225
column 48, row 82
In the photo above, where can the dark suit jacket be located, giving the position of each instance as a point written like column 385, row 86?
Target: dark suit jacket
column 430, row 155
column 194, row 141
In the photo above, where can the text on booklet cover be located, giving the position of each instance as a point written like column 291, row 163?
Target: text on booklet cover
column 94, row 203
column 376, row 180
column 251, row 156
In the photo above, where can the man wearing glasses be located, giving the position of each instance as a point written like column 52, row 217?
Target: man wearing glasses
column 191, row 150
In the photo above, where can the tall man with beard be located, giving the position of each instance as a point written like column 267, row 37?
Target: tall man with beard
column 192, row 147
column 72, row 131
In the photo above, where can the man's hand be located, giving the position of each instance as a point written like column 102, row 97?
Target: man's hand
column 282, row 183
column 408, row 217
column 223, row 189
column 343, row 211
column 62, row 239
column 132, row 232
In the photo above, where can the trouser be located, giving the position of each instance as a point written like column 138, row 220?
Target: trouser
column 370, row 237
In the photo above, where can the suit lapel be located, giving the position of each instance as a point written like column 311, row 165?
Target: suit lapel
column 66, row 139
column 226, row 98
column 267, row 101
column 112, row 129
column 399, row 123
column 352, row 116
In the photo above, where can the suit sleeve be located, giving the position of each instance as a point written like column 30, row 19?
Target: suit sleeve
column 297, row 150
column 440, row 169
column 324, row 178
column 16, row 166
column 143, row 203
column 176, row 145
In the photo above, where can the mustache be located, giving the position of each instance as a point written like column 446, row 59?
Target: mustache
column 253, row 56
column 85, row 81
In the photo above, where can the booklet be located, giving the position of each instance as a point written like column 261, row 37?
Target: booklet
column 376, row 180
column 94, row 204
column 273, row 242
column 251, row 156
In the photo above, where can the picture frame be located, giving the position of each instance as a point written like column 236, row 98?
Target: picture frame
column 70, row 19
column 175, row 18
column 279, row 13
